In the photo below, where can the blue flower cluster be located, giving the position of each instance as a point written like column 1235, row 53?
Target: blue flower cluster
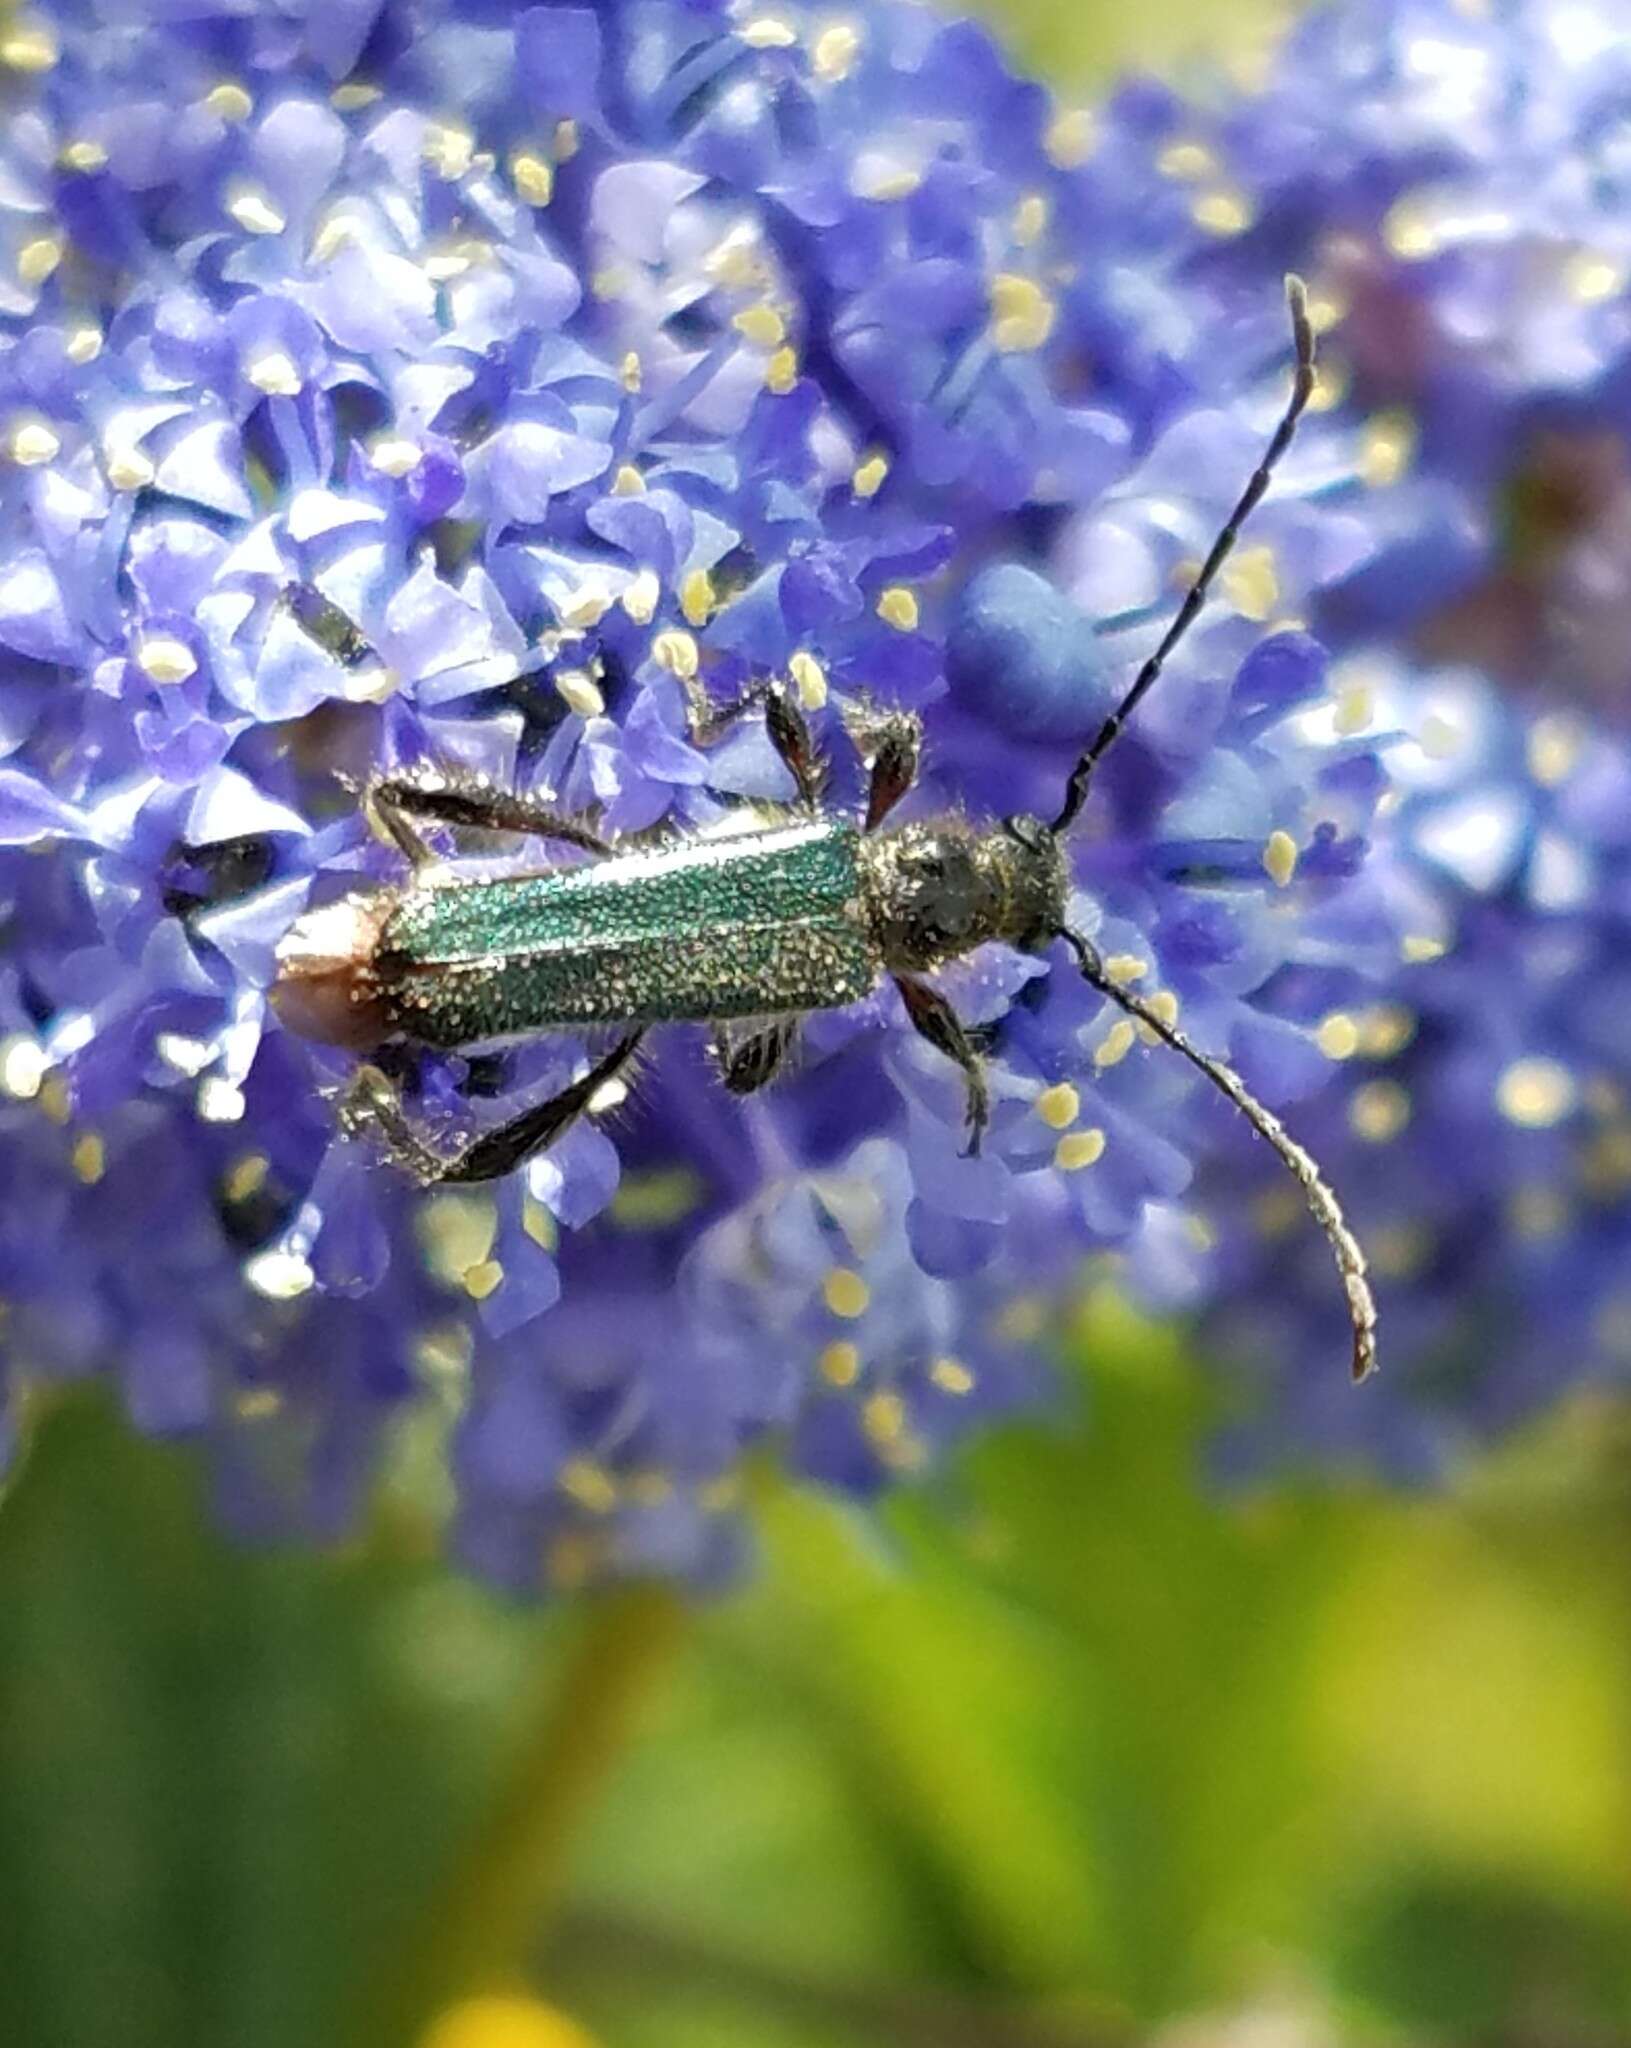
column 393, row 381
column 1452, row 179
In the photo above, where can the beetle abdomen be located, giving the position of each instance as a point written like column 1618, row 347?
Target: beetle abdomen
column 743, row 925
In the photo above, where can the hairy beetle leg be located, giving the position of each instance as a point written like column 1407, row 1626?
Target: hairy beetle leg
column 372, row 1102
column 935, row 1019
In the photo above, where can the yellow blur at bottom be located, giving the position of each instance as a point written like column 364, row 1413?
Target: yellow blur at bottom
column 504, row 2020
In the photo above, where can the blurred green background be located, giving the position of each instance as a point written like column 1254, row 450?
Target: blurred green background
column 1066, row 1751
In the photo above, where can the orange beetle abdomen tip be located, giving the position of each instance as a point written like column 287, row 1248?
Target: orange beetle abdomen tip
column 325, row 988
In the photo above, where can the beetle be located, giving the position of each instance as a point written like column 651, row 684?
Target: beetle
column 751, row 927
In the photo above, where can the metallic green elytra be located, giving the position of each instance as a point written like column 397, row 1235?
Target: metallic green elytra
column 748, row 924
column 743, row 930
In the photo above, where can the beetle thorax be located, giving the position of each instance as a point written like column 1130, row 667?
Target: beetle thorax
column 940, row 888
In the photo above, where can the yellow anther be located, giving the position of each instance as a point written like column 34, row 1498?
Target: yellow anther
column 579, row 691
column 354, row 95
column 84, row 344
column 609, row 283
column 89, row 1158
column 29, row 47
column 640, row 600
column 1280, row 858
column 629, row 374
column 846, row 1293
column 869, row 476
column 1078, row 1149
column 1410, row 227
column 840, row 1365
column 255, row 212
column 1222, row 211
column 768, row 32
column 86, row 155
column 1023, row 1320
column 835, row 50
column 23, row 1067
column 1058, row 1106
column 395, row 456
column 482, row 1279
column 54, row 1099
column 697, row 600
column 1030, row 219
column 258, row 1404
column 276, row 373
column 37, row 259
column 1126, row 968
column 951, row 1376
column 1116, row 1044
column 782, row 372
column 1022, row 314
column 898, row 607
column 1251, row 584
column 566, row 141
column 1440, row 738
column 32, row 442
column 165, row 660
column 1354, row 709
column 335, row 233
column 628, row 482
column 1338, row 1036
column 449, row 149
column 1555, row 746
column 883, row 1417
column 762, row 325
column 1331, row 381
column 809, row 679
column 539, row 1224
column 1420, row 947
column 1386, row 448
column 883, row 179
column 246, row 1176
column 1536, row 1093
column 229, row 102
column 1385, row 1030
column 674, row 651
column 456, row 1230
column 1187, row 161
column 1591, row 278
column 589, row 1484
column 280, row 1274
column 1379, row 1111
column 533, row 177
column 1070, row 138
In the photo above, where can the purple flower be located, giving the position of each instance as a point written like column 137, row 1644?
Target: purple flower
column 395, row 385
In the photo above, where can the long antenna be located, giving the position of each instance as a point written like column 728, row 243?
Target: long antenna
column 1302, row 390
column 1327, row 1209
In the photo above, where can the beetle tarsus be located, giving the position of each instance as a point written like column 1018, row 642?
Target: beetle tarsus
column 371, row 1101
column 935, row 1019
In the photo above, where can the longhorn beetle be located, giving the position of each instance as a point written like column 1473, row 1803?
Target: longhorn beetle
column 799, row 910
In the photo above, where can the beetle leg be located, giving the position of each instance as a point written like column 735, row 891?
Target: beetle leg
column 442, row 796
column 789, row 730
column 372, row 1100
column 751, row 1062
column 889, row 744
column 935, row 1019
